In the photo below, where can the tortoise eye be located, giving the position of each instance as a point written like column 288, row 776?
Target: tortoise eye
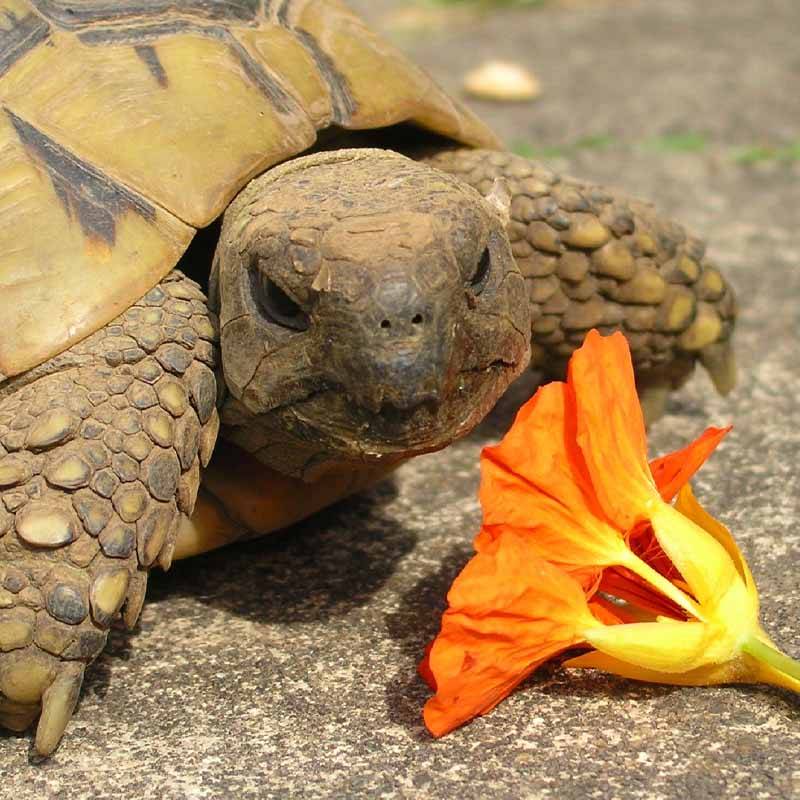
column 480, row 277
column 277, row 306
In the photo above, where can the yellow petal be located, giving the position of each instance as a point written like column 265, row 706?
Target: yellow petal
column 688, row 505
column 667, row 646
column 703, row 562
column 707, row 675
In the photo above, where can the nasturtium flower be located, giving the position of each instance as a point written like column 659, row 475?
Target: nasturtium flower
column 586, row 544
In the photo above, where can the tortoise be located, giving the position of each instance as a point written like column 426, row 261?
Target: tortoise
column 382, row 271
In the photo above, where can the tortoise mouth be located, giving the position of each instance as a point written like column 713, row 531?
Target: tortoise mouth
column 347, row 432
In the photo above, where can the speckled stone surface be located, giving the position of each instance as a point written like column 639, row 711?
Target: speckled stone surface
column 285, row 668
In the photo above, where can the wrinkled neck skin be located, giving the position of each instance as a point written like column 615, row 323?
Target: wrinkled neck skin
column 370, row 310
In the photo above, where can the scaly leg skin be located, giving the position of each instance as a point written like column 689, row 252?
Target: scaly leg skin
column 595, row 259
column 100, row 454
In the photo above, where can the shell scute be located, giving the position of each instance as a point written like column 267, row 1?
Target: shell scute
column 126, row 125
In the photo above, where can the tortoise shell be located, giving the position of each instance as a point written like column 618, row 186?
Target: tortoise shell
column 128, row 124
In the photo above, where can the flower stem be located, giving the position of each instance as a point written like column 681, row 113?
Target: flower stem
column 767, row 655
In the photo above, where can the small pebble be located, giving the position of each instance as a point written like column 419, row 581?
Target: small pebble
column 502, row 80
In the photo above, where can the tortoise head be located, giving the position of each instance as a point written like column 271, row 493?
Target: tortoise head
column 370, row 310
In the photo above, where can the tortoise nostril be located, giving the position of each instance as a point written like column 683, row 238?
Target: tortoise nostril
column 400, row 323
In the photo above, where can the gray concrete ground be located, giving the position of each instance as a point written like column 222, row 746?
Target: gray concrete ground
column 285, row 668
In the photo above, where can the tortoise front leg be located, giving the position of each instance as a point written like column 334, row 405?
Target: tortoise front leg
column 593, row 258
column 100, row 455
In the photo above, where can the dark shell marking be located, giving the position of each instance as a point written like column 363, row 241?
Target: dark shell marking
column 267, row 83
column 80, row 13
column 86, row 193
column 19, row 35
column 150, row 57
column 25, row 34
column 342, row 100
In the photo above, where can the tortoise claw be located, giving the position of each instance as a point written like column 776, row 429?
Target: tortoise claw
column 719, row 361
column 58, row 703
column 653, row 399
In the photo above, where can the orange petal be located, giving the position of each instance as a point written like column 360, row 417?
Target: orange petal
column 609, row 613
column 577, row 562
column 535, row 481
column 610, row 428
column 509, row 611
column 540, row 448
column 672, row 471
